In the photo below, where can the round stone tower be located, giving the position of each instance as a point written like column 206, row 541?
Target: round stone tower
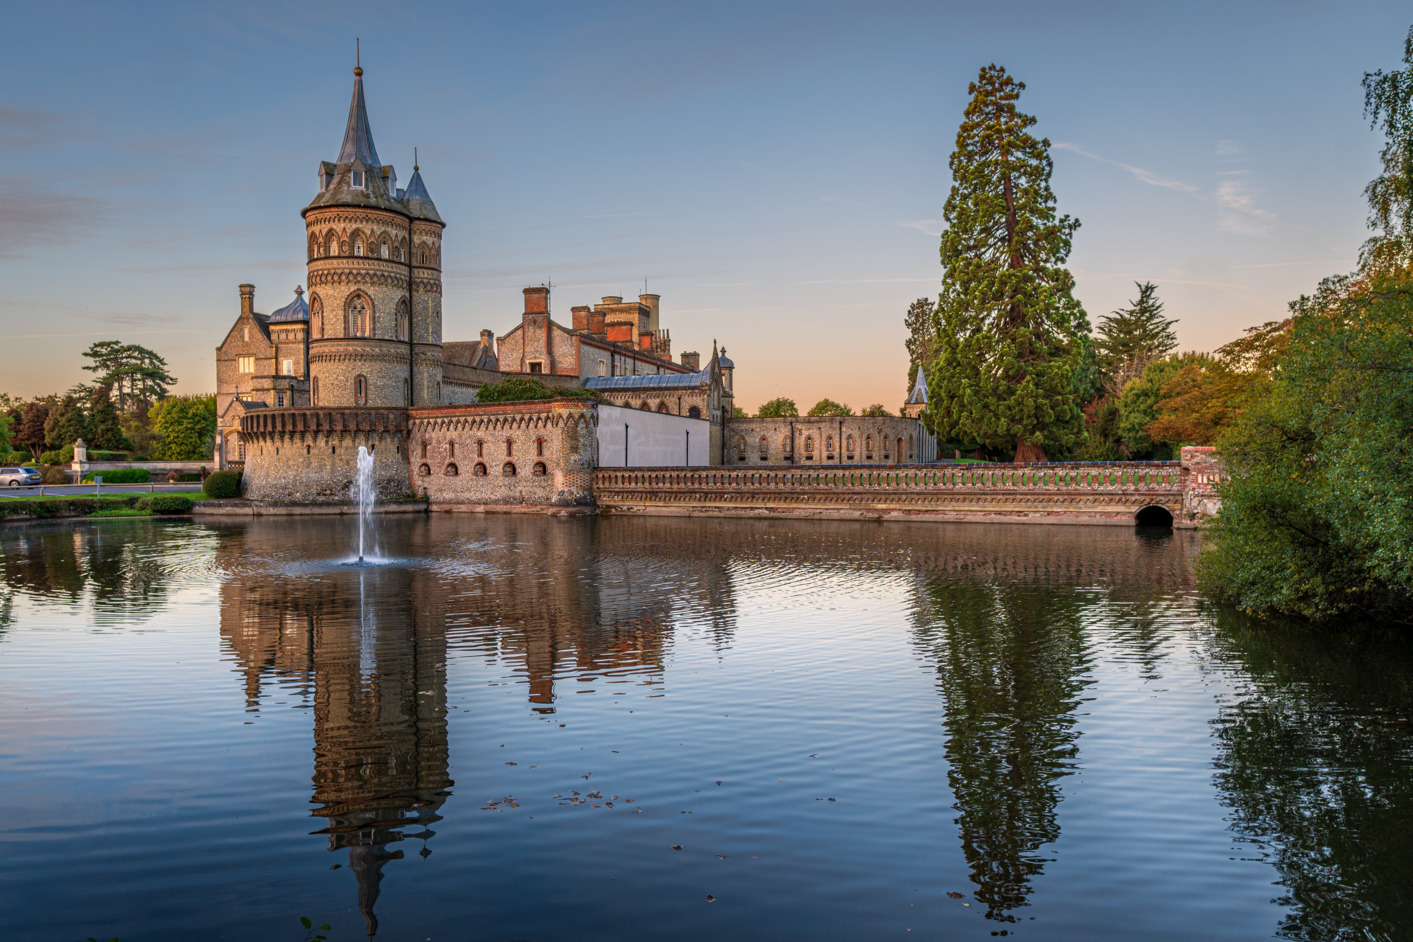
column 375, row 283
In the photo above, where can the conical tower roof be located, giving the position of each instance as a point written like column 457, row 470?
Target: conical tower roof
column 418, row 200
column 358, row 136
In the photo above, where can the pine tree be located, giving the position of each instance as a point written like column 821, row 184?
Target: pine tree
column 105, row 430
column 1132, row 337
column 66, row 423
column 1388, row 104
column 919, row 321
column 1009, row 366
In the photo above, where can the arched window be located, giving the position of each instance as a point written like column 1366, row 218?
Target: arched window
column 693, row 413
column 809, row 444
column 332, row 245
column 314, row 390
column 383, row 250
column 360, row 316
column 539, row 448
column 480, row 470
column 849, row 445
column 764, row 448
column 402, row 320
column 451, row 471
column 451, row 449
column 424, row 470
column 661, row 406
column 539, row 470
column 360, row 390
column 868, row 445
column 313, row 246
column 480, row 449
column 508, row 469
column 740, row 448
column 424, row 450
column 316, row 317
column 509, row 447
column 829, row 444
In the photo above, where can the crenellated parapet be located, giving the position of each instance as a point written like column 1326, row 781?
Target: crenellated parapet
column 312, row 454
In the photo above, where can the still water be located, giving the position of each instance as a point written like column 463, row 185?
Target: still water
column 524, row 728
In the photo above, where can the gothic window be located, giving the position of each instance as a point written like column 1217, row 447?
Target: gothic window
column 360, row 317
column 829, row 445
column 384, row 250
column 424, row 450
column 539, row 470
column 479, row 470
column 644, row 406
column 313, row 247
column 509, row 447
column 508, row 469
column 360, row 390
column 539, row 448
column 809, row 444
column 480, row 449
column 661, row 406
column 314, row 391
column 332, row 245
column 692, row 413
column 316, row 317
column 358, row 248
column 849, row 445
column 868, row 445
column 764, row 448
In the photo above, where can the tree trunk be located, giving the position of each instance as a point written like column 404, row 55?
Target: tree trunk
column 1025, row 451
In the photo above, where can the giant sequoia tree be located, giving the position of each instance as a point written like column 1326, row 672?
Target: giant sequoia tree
column 1011, row 359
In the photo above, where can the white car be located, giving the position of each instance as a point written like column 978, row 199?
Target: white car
column 20, row 477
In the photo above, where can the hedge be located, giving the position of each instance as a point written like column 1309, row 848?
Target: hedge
column 222, row 484
column 62, row 507
column 121, row 476
column 167, row 504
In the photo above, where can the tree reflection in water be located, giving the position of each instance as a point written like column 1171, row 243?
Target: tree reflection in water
column 1315, row 761
column 1011, row 665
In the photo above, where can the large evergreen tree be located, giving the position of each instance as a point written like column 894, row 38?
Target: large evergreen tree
column 136, row 374
column 1388, row 104
column 1011, row 367
column 919, row 321
column 105, row 429
column 1132, row 337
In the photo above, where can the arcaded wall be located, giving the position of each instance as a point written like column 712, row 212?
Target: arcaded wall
column 312, row 454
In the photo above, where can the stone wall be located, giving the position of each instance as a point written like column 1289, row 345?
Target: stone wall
column 1104, row 493
column 1202, row 472
column 523, row 453
column 312, row 454
column 799, row 440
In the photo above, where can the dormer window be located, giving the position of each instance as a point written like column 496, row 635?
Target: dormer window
column 356, row 179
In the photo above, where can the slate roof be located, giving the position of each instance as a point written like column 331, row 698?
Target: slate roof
column 658, row 381
column 418, row 200
column 919, row 394
column 292, row 312
column 358, row 136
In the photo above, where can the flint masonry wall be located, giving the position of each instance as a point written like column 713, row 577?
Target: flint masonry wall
column 312, row 454
column 822, row 440
column 518, row 453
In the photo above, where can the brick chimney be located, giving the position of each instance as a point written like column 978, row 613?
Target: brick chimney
column 692, row 361
column 581, row 317
column 488, row 340
column 537, row 300
column 620, row 333
column 645, row 341
column 247, row 299
column 596, row 323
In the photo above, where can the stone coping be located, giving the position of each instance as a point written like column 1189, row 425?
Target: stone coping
column 493, row 408
column 240, row 507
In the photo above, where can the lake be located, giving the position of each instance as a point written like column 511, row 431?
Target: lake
column 519, row 727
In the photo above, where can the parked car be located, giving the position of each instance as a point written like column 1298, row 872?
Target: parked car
column 20, row 477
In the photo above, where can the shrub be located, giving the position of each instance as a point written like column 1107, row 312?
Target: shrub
column 96, row 455
column 53, row 474
column 170, row 504
column 121, row 476
column 51, row 457
column 222, row 484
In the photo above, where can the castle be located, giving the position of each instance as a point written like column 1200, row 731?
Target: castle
column 362, row 362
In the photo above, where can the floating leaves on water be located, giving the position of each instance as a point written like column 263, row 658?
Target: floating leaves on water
column 824, row 799
column 718, row 781
column 710, row 898
column 951, row 895
column 721, row 856
column 512, row 763
column 676, row 846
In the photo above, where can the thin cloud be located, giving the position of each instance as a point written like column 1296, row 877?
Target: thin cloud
column 932, row 227
column 44, row 217
column 1138, row 173
column 21, row 128
column 872, row 281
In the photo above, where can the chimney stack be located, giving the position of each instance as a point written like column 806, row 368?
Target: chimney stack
column 488, row 340
column 581, row 317
column 692, row 360
column 596, row 323
column 247, row 299
column 650, row 301
column 537, row 300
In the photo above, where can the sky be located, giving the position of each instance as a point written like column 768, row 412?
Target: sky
column 776, row 171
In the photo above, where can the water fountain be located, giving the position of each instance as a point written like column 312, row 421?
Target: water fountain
column 365, row 494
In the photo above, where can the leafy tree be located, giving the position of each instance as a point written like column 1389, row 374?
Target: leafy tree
column 878, row 409
column 1205, row 396
column 66, row 423
column 1388, row 104
column 738, row 413
column 920, row 322
column 1132, row 337
column 1317, row 519
column 5, row 423
column 30, row 433
column 105, row 428
column 831, row 408
column 1138, row 403
column 1010, row 365
column 1101, row 431
column 778, row 408
column 527, row 388
column 186, row 426
column 138, row 375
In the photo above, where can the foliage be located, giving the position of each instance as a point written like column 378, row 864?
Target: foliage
column 1317, row 519
column 778, row 408
column 1138, row 402
column 831, row 408
column 919, row 321
column 1101, row 431
column 185, row 426
column 105, row 428
column 877, row 409
column 66, row 423
column 222, row 484
column 1202, row 399
column 138, row 375
column 313, row 933
column 168, row 504
column 738, row 413
column 1132, row 337
column 46, row 507
column 1388, row 104
column 526, row 389
column 120, row 476
column 5, row 423
column 1011, row 363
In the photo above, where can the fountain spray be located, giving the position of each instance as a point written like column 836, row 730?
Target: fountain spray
column 365, row 493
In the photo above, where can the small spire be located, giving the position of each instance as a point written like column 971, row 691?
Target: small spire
column 357, row 57
column 298, row 291
column 415, row 168
column 358, row 136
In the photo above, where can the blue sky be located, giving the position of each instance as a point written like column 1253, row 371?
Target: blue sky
column 775, row 170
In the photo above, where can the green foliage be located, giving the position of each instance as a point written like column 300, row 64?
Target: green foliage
column 1011, row 366
column 30, row 432
column 1101, row 431
column 120, row 476
column 222, row 485
column 919, row 322
column 49, row 507
column 1388, row 104
column 1317, row 519
column 738, row 413
column 877, row 409
column 138, row 375
column 186, row 427
column 170, row 504
column 1132, row 337
column 526, row 389
column 778, row 408
column 830, row 407
column 52, row 457
column 105, row 428
column 313, row 933
column 5, row 423
column 66, row 423
column 1138, row 403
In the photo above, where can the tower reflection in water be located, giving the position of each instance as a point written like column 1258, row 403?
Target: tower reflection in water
column 374, row 664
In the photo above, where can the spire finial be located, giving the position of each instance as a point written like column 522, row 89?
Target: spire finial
column 357, row 57
column 298, row 291
column 415, row 168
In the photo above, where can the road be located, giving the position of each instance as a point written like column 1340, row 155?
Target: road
column 88, row 490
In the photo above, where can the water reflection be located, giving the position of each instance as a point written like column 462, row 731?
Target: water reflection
column 1315, row 763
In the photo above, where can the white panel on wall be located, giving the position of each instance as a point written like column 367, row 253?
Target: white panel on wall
column 633, row 438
